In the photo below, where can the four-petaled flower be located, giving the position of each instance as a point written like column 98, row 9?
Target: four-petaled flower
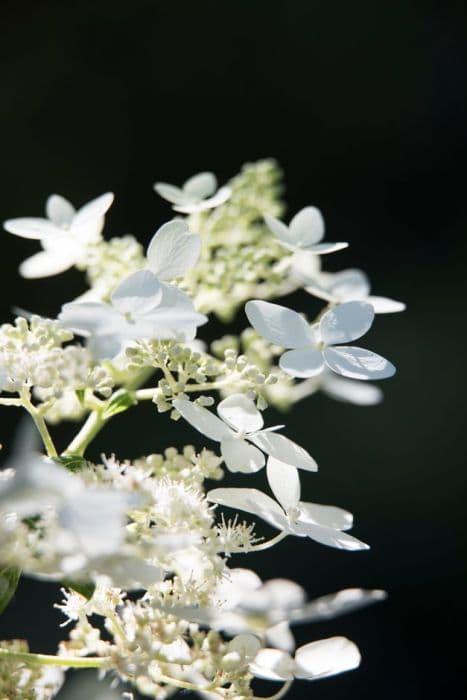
column 140, row 307
column 304, row 232
column 198, row 193
column 324, row 524
column 349, row 285
column 64, row 234
column 312, row 346
column 239, row 425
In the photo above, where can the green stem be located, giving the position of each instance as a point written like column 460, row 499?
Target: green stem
column 93, row 425
column 50, row 660
column 40, row 423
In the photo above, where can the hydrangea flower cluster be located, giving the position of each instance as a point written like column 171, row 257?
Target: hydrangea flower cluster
column 142, row 549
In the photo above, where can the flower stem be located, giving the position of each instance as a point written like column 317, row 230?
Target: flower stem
column 50, row 660
column 40, row 423
column 270, row 543
column 93, row 425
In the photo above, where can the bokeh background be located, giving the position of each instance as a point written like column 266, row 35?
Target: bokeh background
column 364, row 106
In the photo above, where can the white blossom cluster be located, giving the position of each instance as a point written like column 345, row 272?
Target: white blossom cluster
column 137, row 544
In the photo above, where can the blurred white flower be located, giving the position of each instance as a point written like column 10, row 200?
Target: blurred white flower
column 312, row 347
column 239, row 425
column 324, row 524
column 326, row 657
column 242, row 603
column 304, row 232
column 140, row 307
column 64, row 234
column 349, row 285
column 198, row 193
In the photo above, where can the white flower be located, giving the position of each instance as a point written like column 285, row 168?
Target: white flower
column 349, row 285
column 242, row 603
column 312, row 347
column 64, row 234
column 304, row 232
column 91, row 520
column 324, row 524
column 140, row 307
column 326, row 657
column 240, row 424
column 173, row 250
column 196, row 194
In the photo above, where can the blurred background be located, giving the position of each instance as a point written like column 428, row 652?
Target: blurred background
column 364, row 106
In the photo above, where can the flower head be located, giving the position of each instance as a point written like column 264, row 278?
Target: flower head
column 64, row 234
column 312, row 347
column 140, row 307
column 240, row 424
column 304, row 232
column 198, row 193
column 324, row 524
column 349, row 285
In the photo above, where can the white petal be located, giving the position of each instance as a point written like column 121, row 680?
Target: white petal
column 170, row 193
column 247, row 645
column 173, row 250
column 200, row 186
column 239, row 456
column 284, row 482
column 46, row 264
column 349, row 285
column 240, row 412
column 325, row 248
column 97, row 519
column 285, row 450
column 280, row 636
column 274, row 665
column 251, row 501
column 306, row 362
column 30, row 228
column 93, row 211
column 329, row 516
column 326, row 657
column 307, row 227
column 279, row 229
column 86, row 318
column 280, row 594
column 358, row 363
column 328, row 536
column 358, row 393
column 106, row 347
column 278, row 324
column 383, row 305
column 200, row 418
column 335, row 604
column 137, row 294
column 219, row 198
column 319, row 292
column 59, row 210
column 346, row 322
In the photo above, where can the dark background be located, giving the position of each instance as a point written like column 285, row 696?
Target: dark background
column 364, row 106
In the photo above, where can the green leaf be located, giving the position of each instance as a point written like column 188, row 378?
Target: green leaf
column 85, row 588
column 74, row 463
column 120, row 402
column 9, row 577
